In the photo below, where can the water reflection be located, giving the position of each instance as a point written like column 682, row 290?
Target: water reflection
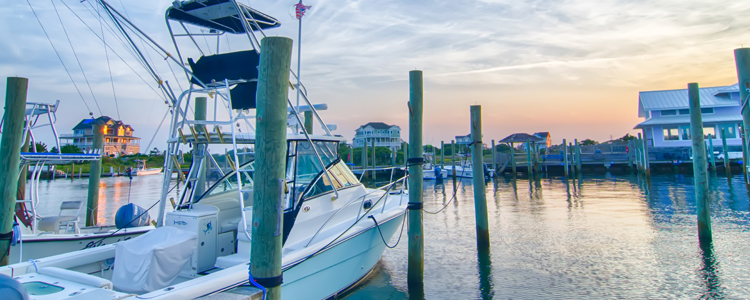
column 709, row 272
column 484, row 266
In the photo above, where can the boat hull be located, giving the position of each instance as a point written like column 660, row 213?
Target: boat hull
column 336, row 269
column 45, row 245
column 148, row 172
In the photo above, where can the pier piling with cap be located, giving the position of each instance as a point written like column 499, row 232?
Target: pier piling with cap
column 565, row 158
column 646, row 162
column 711, row 153
column 700, row 167
column 10, row 157
column 270, row 155
column 415, row 271
column 442, row 156
column 725, row 150
column 95, row 173
column 529, row 164
column 480, row 197
column 374, row 164
column 453, row 164
column 513, row 159
column 201, row 150
column 742, row 62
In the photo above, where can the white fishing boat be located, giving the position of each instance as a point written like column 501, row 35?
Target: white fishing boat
column 334, row 228
column 42, row 236
column 431, row 171
column 465, row 169
column 141, row 170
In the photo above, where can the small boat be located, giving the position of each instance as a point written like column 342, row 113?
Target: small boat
column 44, row 236
column 141, row 170
column 431, row 171
column 465, row 168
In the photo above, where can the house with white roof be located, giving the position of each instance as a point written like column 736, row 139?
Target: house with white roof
column 383, row 134
column 667, row 116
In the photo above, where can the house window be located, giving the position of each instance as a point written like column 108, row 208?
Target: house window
column 709, row 130
column 670, row 134
column 709, row 110
column 670, row 112
column 685, row 132
column 728, row 130
column 684, row 111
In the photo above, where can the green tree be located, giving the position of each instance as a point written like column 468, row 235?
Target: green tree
column 41, row 147
column 69, row 148
column 589, row 142
column 625, row 138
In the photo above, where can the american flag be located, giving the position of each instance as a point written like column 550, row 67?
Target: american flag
column 301, row 9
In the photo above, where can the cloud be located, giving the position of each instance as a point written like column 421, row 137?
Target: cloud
column 555, row 59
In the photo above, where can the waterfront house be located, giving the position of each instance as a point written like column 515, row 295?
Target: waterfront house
column 547, row 139
column 383, row 134
column 666, row 116
column 118, row 137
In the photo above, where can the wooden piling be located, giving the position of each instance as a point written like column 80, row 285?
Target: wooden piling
column 744, row 157
column 374, row 163
column 95, row 173
column 270, row 155
column 453, row 164
column 565, row 158
column 646, row 162
column 529, row 164
column 24, row 170
column 699, row 165
column 639, row 143
column 630, row 154
column 579, row 163
column 201, row 149
column 415, row 272
column 309, row 122
column 442, row 156
column 513, row 159
column 726, row 153
column 494, row 159
column 711, row 154
column 364, row 155
column 10, row 156
column 742, row 62
column 480, row 196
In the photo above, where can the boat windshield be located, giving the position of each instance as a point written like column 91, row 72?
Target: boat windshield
column 229, row 181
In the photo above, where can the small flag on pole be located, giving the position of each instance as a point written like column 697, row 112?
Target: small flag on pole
column 300, row 9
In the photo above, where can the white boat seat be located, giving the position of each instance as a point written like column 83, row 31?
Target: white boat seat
column 67, row 217
column 153, row 260
column 78, row 277
column 243, row 245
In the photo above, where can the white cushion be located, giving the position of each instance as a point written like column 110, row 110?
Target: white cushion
column 153, row 260
column 78, row 277
column 228, row 261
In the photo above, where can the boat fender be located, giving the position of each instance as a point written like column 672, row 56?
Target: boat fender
column 16, row 238
column 131, row 215
column 12, row 289
column 438, row 172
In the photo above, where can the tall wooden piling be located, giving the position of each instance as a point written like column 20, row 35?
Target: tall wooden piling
column 363, row 158
column 742, row 61
column 95, row 172
column 711, row 153
column 442, row 156
column 579, row 161
column 453, row 164
column 10, row 157
column 374, row 163
column 415, row 276
column 744, row 157
column 571, row 152
column 565, row 158
column 513, row 158
column 480, row 196
column 201, row 149
column 699, row 165
column 309, row 122
column 494, row 159
column 270, row 155
column 639, row 143
column 529, row 164
column 646, row 162
column 725, row 150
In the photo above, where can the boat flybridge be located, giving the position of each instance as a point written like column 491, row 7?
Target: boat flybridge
column 334, row 229
column 40, row 236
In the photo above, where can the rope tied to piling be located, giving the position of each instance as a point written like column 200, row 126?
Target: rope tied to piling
column 415, row 161
column 381, row 233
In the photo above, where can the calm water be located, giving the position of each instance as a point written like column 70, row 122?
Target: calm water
column 601, row 237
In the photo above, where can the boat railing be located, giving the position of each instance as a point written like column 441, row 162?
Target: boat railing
column 387, row 189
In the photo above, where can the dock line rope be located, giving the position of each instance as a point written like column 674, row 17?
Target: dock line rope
column 381, row 233
column 254, row 283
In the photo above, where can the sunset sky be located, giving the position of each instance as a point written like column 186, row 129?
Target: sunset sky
column 573, row 68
